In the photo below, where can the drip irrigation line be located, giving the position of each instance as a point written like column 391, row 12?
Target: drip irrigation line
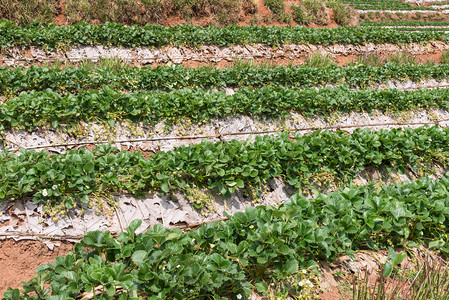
column 220, row 136
column 151, row 59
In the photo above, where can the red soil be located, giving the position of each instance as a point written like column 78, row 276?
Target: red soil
column 18, row 260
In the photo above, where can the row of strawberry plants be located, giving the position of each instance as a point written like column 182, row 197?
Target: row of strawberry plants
column 384, row 5
column 112, row 34
column 73, row 79
column 64, row 179
column 404, row 23
column 230, row 259
column 33, row 109
column 416, row 29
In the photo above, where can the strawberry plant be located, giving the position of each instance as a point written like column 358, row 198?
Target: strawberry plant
column 76, row 79
column 224, row 167
column 228, row 259
column 113, row 34
column 33, row 109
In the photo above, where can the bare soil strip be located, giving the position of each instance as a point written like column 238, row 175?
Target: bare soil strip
column 212, row 54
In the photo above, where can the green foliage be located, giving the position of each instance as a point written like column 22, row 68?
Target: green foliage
column 276, row 6
column 223, row 167
column 394, row 259
column 405, row 23
column 74, row 79
column 112, row 34
column 221, row 259
column 31, row 110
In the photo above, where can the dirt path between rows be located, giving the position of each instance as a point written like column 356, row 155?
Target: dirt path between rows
column 19, row 260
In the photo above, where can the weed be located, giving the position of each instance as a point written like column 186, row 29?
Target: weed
column 402, row 58
column 255, row 19
column 369, row 60
column 284, row 17
column 317, row 11
column 430, row 281
column 300, row 16
column 276, row 6
column 344, row 15
column 319, row 60
column 121, row 11
column 25, row 12
column 445, row 58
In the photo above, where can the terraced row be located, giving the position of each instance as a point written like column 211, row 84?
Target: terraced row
column 35, row 109
column 73, row 79
column 65, row 179
column 263, row 245
column 110, row 34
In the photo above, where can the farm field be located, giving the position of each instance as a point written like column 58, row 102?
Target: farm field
column 224, row 149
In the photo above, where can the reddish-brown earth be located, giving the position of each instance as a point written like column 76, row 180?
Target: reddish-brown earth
column 18, row 260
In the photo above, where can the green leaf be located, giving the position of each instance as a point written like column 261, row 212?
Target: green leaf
column 240, row 183
column 388, row 268
column 165, row 187
column 110, row 290
column 399, row 258
column 261, row 287
column 290, row 267
column 139, row 257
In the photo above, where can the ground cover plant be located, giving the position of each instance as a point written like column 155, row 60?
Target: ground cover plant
column 65, row 179
column 74, row 79
column 48, row 108
column 112, row 34
column 231, row 259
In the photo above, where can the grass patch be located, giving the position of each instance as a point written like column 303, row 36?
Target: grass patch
column 427, row 279
column 344, row 15
column 369, row 60
column 402, row 58
column 224, row 12
column 276, row 6
column 121, row 11
column 25, row 12
column 319, row 60
column 317, row 10
column 445, row 58
column 300, row 16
